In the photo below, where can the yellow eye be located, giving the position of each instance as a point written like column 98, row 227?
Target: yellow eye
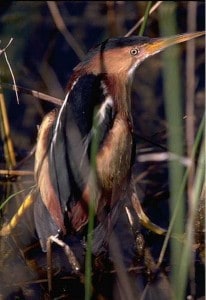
column 134, row 51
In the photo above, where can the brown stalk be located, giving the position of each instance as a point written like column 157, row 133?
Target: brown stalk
column 33, row 93
column 59, row 22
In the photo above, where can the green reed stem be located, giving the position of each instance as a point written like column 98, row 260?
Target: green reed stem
column 173, row 108
column 91, row 215
column 146, row 15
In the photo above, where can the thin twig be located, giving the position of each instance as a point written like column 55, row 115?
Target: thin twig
column 16, row 173
column 154, row 7
column 26, row 158
column 10, row 69
column 8, row 144
column 12, row 75
column 33, row 93
column 59, row 22
column 69, row 253
column 4, row 49
column 144, row 220
column 164, row 156
column 129, row 216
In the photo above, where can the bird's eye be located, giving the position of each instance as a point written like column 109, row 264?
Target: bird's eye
column 134, row 51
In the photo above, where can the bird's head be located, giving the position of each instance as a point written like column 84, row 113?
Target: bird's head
column 121, row 56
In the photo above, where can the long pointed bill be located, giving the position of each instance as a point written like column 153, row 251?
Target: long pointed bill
column 158, row 44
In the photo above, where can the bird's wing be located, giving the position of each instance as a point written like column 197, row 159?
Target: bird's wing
column 44, row 223
column 89, row 112
column 56, row 165
column 65, row 164
column 48, row 210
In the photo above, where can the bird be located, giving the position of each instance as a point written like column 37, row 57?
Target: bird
column 86, row 148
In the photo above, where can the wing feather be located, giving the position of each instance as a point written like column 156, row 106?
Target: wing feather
column 65, row 165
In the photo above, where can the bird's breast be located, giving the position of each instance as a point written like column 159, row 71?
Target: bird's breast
column 114, row 157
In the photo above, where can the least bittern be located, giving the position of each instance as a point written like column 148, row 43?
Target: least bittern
column 100, row 90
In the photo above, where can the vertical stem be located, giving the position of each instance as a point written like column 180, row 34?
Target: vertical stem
column 190, row 116
column 88, row 257
column 111, row 18
column 142, row 28
column 190, row 89
column 174, row 114
column 7, row 141
column 8, row 145
column 49, row 264
column 196, row 145
column 186, row 254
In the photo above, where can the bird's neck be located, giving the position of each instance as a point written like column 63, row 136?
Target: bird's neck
column 118, row 87
column 120, row 90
